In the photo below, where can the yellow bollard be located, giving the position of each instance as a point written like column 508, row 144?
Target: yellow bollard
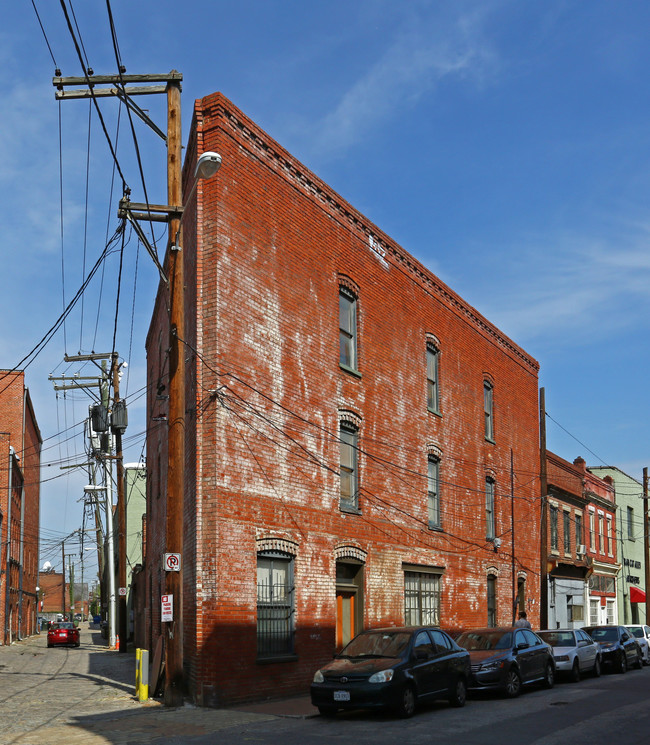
column 138, row 655
column 143, row 692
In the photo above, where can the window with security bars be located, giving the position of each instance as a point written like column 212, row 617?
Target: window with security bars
column 274, row 605
column 421, row 599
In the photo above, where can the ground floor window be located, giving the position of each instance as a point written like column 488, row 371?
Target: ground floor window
column 611, row 616
column 275, row 599
column 593, row 612
column 421, row 598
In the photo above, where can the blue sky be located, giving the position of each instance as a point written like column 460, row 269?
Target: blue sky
column 505, row 144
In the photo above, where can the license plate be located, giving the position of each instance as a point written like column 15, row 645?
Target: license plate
column 341, row 695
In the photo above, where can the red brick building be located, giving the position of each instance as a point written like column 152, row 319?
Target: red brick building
column 581, row 545
column 20, row 459
column 355, row 432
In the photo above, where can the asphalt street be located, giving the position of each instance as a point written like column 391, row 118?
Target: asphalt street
column 86, row 696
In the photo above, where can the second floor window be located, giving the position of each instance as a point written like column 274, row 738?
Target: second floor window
column 579, row 540
column 601, row 534
column 592, row 531
column 489, row 509
column 433, row 398
column 349, row 466
column 630, row 523
column 488, row 409
column 567, row 532
column 433, row 491
column 554, row 543
column 347, row 329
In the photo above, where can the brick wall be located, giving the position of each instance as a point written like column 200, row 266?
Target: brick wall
column 265, row 397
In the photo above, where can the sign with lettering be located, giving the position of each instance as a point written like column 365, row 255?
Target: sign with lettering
column 167, row 608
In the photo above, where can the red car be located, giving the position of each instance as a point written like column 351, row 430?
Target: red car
column 63, row 632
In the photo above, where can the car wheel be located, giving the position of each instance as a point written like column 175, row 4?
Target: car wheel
column 622, row 662
column 597, row 668
column 549, row 676
column 575, row 671
column 512, row 683
column 49, row 646
column 458, row 696
column 639, row 661
column 327, row 711
column 77, row 644
column 407, row 702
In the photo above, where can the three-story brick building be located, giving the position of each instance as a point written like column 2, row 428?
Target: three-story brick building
column 360, row 440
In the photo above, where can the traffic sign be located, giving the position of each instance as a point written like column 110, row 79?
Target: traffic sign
column 167, row 608
column 172, row 562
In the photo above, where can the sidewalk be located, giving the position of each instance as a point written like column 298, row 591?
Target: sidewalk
column 86, row 696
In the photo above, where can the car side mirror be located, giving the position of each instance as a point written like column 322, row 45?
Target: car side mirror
column 421, row 654
column 625, row 637
column 523, row 645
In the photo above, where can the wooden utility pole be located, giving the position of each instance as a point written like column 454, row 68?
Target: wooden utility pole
column 63, row 578
column 121, row 512
column 174, row 688
column 543, row 569
column 646, row 544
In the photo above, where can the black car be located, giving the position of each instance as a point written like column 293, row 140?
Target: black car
column 393, row 668
column 618, row 646
column 507, row 658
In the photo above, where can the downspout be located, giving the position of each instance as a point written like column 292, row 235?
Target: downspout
column 21, row 553
column 20, row 559
column 8, row 563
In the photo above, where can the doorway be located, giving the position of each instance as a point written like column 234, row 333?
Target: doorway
column 349, row 600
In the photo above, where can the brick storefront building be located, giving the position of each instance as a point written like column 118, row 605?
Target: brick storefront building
column 581, row 545
column 20, row 458
column 353, row 431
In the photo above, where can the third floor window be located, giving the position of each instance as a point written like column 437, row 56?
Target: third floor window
column 347, row 329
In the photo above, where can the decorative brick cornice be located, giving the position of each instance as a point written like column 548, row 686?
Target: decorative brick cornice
column 244, row 130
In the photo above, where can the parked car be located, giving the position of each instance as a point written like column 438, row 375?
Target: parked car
column 642, row 634
column 393, row 668
column 575, row 652
column 619, row 647
column 63, row 632
column 507, row 658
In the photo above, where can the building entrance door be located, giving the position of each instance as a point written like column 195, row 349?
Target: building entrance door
column 345, row 613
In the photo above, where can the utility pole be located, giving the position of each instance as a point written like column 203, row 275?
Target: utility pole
column 543, row 570
column 646, row 543
column 118, row 406
column 176, row 426
column 63, row 578
column 71, row 575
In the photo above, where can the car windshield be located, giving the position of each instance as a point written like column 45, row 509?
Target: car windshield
column 638, row 632
column 558, row 638
column 377, row 644
column 607, row 635
column 475, row 640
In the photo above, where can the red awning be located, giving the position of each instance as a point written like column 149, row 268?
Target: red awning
column 637, row 595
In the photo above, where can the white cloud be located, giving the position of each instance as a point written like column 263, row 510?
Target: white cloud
column 585, row 287
column 424, row 50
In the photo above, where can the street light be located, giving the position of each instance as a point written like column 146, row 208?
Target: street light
column 206, row 167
